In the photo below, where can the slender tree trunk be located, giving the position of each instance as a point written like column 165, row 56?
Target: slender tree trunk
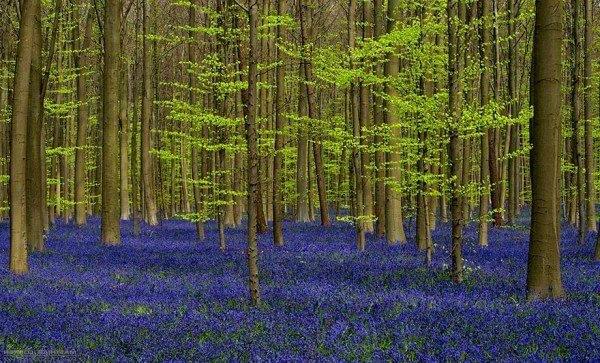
column 590, row 192
column 513, row 161
column 124, row 142
column 111, row 234
column 81, row 63
column 455, row 16
column 378, row 116
column 305, row 19
column 543, row 266
column 422, row 223
column 196, row 154
column 394, row 221
column 147, row 171
column 484, row 94
column 4, row 133
column 356, row 165
column 279, row 122
column 365, row 124
column 575, row 144
column 302, row 204
column 494, row 134
column 250, row 99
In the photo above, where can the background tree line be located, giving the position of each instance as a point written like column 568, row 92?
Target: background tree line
column 370, row 112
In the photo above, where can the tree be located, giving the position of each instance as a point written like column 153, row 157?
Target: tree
column 590, row 192
column 576, row 156
column 147, row 169
column 196, row 154
column 81, row 62
column 311, row 108
column 30, row 13
column 111, row 234
column 456, row 13
column 394, row 229
column 485, row 55
column 543, row 266
column 356, row 165
column 249, row 101
column 279, row 123
column 34, row 187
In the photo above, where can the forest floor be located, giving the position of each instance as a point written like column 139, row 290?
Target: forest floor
column 165, row 296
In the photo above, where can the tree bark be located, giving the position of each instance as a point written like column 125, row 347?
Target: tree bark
column 590, row 192
column 111, row 234
column 279, row 123
column 379, row 116
column 485, row 52
column 305, row 19
column 250, row 98
column 576, row 156
column 18, row 134
column 394, row 221
column 147, row 169
column 456, row 14
column 543, row 266
column 81, row 63
column 34, row 187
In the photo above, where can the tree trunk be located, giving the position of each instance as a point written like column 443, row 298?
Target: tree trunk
column 110, row 126
column 356, row 165
column 456, row 15
column 147, row 171
column 543, row 266
column 302, row 214
column 394, row 222
column 250, row 99
column 81, row 63
column 485, row 53
column 30, row 17
column 124, row 142
column 423, row 230
column 305, row 19
column 378, row 116
column 587, row 112
column 279, row 123
column 576, row 156
column 34, row 187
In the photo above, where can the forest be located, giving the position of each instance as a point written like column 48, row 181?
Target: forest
column 299, row 180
